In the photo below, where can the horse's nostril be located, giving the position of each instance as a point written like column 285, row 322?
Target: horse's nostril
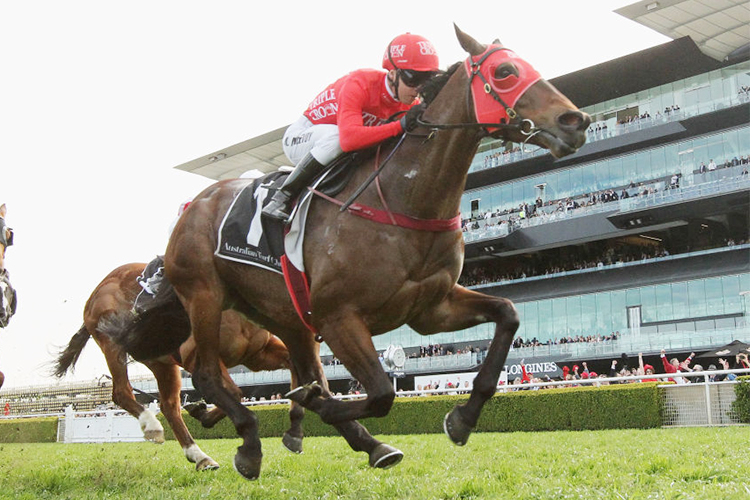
column 576, row 120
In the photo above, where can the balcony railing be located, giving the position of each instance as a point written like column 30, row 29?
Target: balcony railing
column 724, row 180
column 616, row 130
column 629, row 342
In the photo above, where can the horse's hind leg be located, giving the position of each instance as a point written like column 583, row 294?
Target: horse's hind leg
column 168, row 378
column 204, row 309
column 122, row 391
column 463, row 309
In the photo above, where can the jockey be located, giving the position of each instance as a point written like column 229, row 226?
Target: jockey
column 350, row 115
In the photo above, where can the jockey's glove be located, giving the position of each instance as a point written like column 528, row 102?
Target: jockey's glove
column 409, row 120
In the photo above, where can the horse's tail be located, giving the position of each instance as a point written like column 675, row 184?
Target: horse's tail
column 68, row 357
column 159, row 327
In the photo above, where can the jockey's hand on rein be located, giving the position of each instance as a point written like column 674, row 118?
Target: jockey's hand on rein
column 409, row 120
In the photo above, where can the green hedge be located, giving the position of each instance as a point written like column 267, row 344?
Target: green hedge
column 585, row 408
column 29, row 430
column 741, row 405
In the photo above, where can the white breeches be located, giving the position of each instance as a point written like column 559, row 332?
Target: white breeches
column 302, row 137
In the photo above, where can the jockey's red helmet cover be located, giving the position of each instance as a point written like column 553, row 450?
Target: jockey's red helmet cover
column 411, row 52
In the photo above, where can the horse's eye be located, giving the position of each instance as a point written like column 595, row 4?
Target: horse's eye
column 505, row 70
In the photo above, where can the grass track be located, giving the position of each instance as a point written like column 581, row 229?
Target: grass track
column 687, row 463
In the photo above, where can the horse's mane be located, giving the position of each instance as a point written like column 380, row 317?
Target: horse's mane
column 434, row 85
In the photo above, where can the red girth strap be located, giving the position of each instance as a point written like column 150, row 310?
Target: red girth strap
column 394, row 219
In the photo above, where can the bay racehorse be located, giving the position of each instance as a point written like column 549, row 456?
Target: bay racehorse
column 368, row 278
column 7, row 293
column 242, row 343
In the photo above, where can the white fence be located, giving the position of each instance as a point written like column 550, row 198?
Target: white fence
column 698, row 403
column 104, row 426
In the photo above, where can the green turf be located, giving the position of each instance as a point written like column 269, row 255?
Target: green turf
column 686, row 463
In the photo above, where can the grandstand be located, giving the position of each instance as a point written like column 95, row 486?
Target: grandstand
column 641, row 237
column 643, row 233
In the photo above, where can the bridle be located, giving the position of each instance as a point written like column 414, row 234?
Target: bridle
column 524, row 126
column 474, row 68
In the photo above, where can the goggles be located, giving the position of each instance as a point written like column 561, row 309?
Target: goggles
column 415, row 79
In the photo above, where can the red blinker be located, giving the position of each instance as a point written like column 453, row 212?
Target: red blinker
column 509, row 89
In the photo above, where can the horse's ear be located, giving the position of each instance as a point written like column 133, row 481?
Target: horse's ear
column 468, row 43
column 496, row 41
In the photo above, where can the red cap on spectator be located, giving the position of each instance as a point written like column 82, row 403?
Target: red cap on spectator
column 584, row 375
column 593, row 375
column 648, row 367
column 566, row 370
column 575, row 367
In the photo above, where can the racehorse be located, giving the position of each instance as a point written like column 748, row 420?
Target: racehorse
column 367, row 278
column 242, row 343
column 7, row 293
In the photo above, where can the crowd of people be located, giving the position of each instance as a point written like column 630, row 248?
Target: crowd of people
column 519, row 343
column 621, row 369
column 593, row 256
column 548, row 211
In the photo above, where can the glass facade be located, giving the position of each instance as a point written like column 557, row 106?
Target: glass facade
column 692, row 305
column 692, row 96
column 684, row 157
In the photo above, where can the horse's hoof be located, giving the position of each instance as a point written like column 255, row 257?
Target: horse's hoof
column 292, row 443
column 248, row 467
column 304, row 393
column 385, row 456
column 195, row 410
column 207, row 463
column 156, row 436
column 455, row 428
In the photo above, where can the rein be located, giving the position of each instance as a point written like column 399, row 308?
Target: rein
column 524, row 126
column 387, row 216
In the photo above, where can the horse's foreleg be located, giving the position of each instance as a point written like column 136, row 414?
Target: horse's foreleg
column 350, row 340
column 168, row 379
column 122, row 391
column 204, row 309
column 463, row 309
column 307, row 369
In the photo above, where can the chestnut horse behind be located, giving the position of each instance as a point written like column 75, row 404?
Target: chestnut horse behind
column 7, row 293
column 368, row 278
column 242, row 343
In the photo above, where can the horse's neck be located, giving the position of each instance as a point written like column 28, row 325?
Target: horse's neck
column 430, row 174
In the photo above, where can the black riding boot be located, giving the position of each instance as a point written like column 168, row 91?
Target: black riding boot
column 303, row 174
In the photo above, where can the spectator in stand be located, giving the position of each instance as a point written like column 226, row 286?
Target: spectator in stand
column 725, row 366
column 613, row 370
column 713, row 378
column 742, row 361
column 645, row 369
column 526, row 376
column 674, row 366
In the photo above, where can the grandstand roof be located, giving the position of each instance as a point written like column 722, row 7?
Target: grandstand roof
column 718, row 27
